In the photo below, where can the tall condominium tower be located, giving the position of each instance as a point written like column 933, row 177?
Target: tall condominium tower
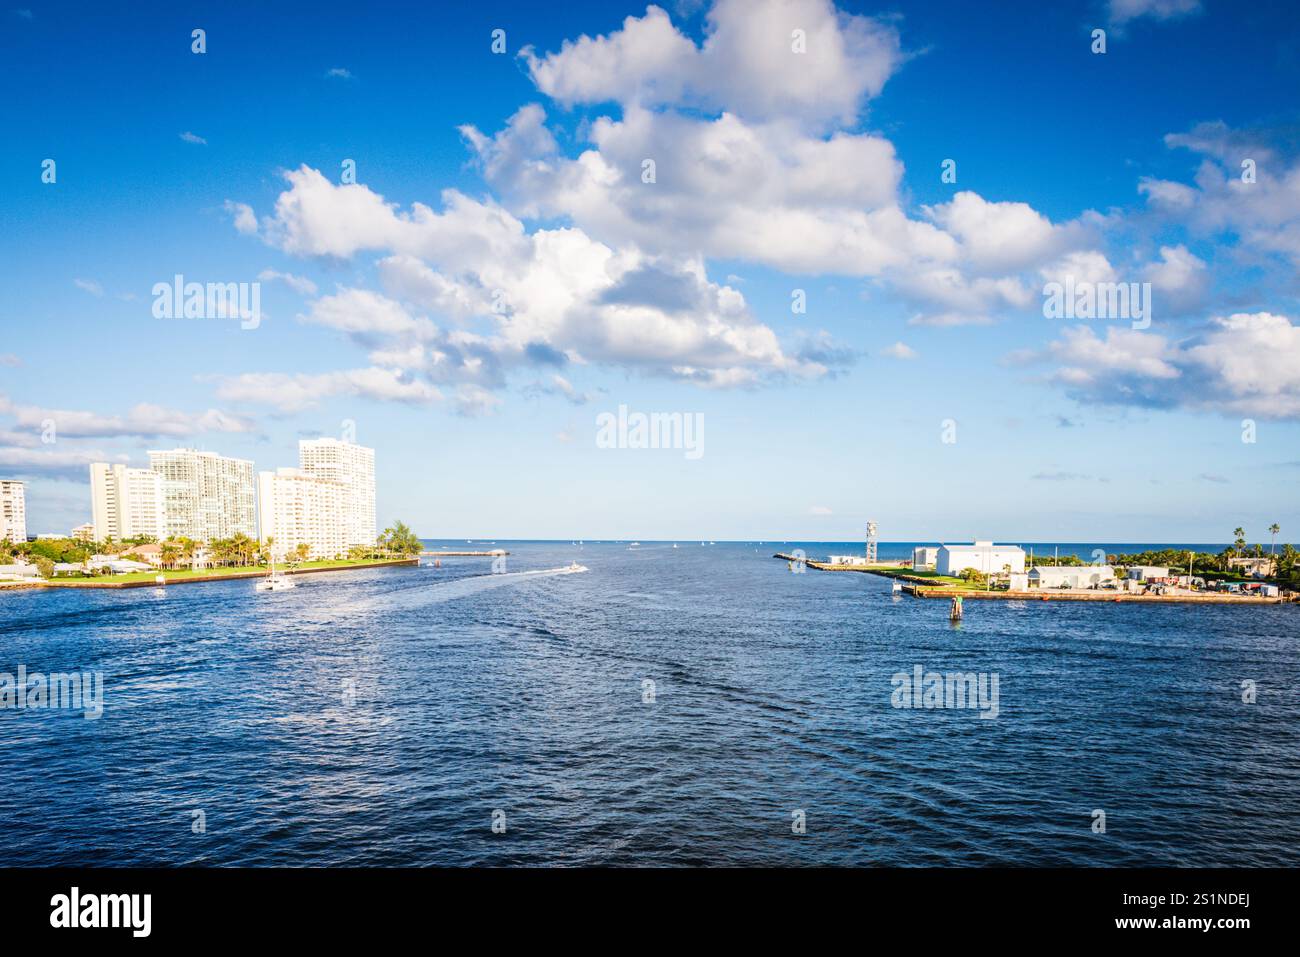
column 13, row 511
column 352, row 466
column 206, row 496
column 295, row 508
column 126, row 502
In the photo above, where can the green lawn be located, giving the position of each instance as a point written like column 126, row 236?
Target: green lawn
column 944, row 580
column 180, row 574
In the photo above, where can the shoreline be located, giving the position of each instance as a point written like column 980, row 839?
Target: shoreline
column 1063, row 594
column 920, row 587
column 215, row 577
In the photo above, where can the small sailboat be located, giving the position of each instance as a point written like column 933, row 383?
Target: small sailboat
column 897, row 588
column 274, row 581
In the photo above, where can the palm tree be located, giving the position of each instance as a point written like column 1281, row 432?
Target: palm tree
column 303, row 551
column 222, row 550
column 1239, row 540
column 402, row 540
column 242, row 548
column 1272, row 531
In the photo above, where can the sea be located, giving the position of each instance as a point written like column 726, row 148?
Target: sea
column 675, row 704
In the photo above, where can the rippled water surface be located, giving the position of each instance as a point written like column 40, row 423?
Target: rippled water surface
column 524, row 693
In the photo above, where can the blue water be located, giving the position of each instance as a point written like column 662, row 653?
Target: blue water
column 523, row 693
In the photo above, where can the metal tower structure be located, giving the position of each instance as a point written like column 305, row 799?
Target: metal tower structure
column 871, row 543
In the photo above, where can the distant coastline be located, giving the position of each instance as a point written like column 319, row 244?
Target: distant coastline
column 181, row 577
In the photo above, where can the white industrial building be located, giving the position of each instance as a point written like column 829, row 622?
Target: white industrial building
column 125, row 502
column 982, row 556
column 352, row 466
column 1147, row 572
column 1070, row 576
column 925, row 557
column 13, row 511
column 206, row 496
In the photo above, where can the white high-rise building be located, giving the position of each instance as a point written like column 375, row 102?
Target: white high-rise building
column 206, row 496
column 13, row 511
column 296, row 508
column 352, row 466
column 126, row 502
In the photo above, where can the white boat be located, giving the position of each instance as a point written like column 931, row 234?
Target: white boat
column 274, row 581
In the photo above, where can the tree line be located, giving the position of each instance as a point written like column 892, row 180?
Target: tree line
column 397, row 541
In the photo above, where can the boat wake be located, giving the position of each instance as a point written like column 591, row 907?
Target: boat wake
column 464, row 587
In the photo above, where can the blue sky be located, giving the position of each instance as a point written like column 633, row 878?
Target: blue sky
column 776, row 171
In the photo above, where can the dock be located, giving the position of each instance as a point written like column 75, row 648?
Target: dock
column 884, row 569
